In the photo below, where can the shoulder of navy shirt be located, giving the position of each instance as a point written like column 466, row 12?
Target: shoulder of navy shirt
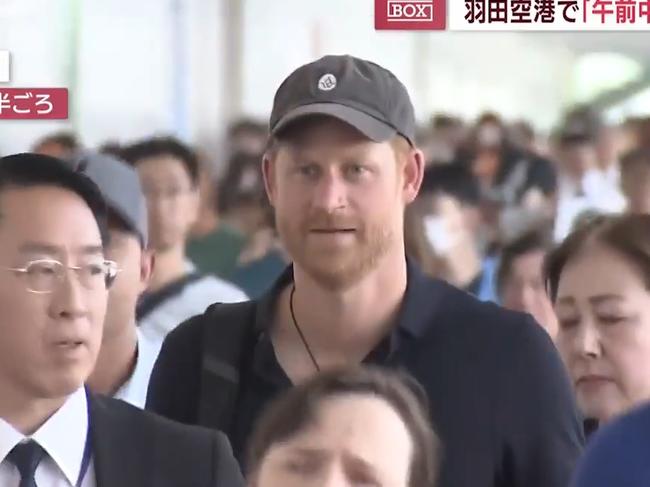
column 618, row 453
column 132, row 447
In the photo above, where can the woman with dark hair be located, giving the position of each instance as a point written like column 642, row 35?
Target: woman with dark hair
column 345, row 428
column 599, row 282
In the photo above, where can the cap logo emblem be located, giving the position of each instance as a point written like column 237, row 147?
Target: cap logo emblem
column 327, row 82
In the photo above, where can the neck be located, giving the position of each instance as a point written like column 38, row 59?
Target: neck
column 116, row 361
column 343, row 326
column 170, row 266
column 24, row 413
column 207, row 223
column 237, row 222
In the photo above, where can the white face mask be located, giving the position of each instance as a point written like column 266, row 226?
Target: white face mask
column 489, row 135
column 441, row 238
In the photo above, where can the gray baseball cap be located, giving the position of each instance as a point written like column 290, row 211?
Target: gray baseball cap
column 360, row 93
column 120, row 186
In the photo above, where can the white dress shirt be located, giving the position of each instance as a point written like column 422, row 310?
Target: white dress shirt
column 598, row 191
column 63, row 437
column 134, row 390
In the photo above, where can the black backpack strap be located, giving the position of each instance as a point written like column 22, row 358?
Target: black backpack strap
column 227, row 332
column 150, row 301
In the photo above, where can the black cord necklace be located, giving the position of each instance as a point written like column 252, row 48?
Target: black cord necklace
column 302, row 336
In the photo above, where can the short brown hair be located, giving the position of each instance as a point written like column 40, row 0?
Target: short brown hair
column 627, row 234
column 296, row 409
column 67, row 140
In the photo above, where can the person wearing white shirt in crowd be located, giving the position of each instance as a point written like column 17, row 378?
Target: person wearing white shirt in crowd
column 54, row 282
column 169, row 173
column 582, row 185
column 126, row 357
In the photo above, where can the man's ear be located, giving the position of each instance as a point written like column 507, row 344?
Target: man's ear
column 195, row 204
column 412, row 173
column 268, row 172
column 147, row 265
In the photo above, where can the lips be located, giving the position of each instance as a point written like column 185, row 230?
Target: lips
column 332, row 230
column 68, row 344
column 592, row 379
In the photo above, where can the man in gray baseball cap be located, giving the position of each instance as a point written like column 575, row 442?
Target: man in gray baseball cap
column 126, row 357
column 340, row 169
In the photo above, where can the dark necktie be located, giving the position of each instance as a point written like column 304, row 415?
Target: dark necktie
column 26, row 457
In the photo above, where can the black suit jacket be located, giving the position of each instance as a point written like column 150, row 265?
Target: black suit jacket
column 135, row 448
column 500, row 397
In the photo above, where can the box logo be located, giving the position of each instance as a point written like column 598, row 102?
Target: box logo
column 410, row 14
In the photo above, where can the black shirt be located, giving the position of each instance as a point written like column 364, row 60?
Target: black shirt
column 474, row 287
column 264, row 380
column 500, row 399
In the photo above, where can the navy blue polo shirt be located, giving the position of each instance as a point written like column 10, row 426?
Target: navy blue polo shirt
column 265, row 378
column 500, row 398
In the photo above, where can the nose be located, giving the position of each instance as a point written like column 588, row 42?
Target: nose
column 334, row 476
column 586, row 342
column 69, row 298
column 157, row 205
column 330, row 193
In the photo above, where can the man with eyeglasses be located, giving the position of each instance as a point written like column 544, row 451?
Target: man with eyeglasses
column 54, row 281
column 169, row 172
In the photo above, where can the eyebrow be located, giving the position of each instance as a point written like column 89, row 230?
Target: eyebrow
column 362, row 466
column 310, row 452
column 604, row 298
column 599, row 299
column 567, row 300
column 359, row 462
column 43, row 248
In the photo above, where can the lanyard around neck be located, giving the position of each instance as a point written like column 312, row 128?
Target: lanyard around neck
column 85, row 459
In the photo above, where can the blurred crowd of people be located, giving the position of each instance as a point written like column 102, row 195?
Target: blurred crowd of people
column 490, row 189
column 487, row 185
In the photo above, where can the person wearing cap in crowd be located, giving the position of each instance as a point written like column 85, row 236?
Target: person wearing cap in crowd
column 339, row 169
column 607, row 140
column 54, row 282
column 126, row 357
column 582, row 184
column 169, row 174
